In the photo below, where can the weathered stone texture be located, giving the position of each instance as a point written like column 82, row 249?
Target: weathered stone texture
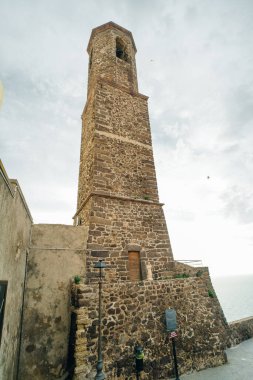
column 86, row 166
column 240, row 330
column 124, row 168
column 118, row 202
column 185, row 269
column 116, row 152
column 134, row 312
column 116, row 225
column 122, row 113
column 56, row 256
column 15, row 227
column 117, row 191
column 103, row 61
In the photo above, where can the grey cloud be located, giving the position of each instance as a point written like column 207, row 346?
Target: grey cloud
column 238, row 204
column 169, row 127
column 191, row 14
column 182, row 215
column 240, row 110
column 192, row 55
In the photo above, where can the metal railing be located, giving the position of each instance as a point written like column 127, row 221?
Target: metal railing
column 192, row 263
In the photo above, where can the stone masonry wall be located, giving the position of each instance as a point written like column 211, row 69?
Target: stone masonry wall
column 124, row 163
column 117, row 192
column 86, row 166
column 116, row 152
column 116, row 149
column 134, row 312
column 122, row 113
column 118, row 226
column 188, row 270
column 118, row 196
column 240, row 330
column 103, row 61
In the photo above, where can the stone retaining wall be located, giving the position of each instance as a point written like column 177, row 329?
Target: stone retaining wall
column 240, row 330
column 188, row 270
column 134, row 312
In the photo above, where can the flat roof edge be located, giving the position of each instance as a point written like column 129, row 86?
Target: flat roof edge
column 13, row 186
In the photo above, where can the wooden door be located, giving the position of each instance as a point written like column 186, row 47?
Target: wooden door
column 134, row 266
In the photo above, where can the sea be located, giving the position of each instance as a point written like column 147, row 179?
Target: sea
column 235, row 294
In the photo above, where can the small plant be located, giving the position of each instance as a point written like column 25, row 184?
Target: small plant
column 182, row 275
column 77, row 279
column 211, row 293
column 199, row 273
column 146, row 197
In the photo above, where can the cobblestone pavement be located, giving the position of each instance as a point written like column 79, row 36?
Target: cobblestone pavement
column 239, row 366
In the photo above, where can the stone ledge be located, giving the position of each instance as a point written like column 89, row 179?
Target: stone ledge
column 115, row 196
column 121, row 88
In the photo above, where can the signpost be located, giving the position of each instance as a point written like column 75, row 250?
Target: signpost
column 171, row 326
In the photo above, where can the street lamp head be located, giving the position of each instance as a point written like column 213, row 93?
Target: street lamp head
column 100, row 265
column 138, row 351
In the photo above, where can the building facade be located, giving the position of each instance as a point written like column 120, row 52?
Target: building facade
column 15, row 229
column 49, row 320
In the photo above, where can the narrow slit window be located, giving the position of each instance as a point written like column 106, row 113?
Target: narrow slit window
column 134, row 263
column 90, row 61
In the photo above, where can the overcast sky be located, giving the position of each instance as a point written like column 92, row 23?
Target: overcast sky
column 194, row 61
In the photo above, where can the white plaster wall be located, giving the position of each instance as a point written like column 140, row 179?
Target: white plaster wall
column 15, row 226
column 56, row 256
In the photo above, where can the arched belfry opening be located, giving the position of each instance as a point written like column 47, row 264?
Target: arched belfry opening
column 121, row 52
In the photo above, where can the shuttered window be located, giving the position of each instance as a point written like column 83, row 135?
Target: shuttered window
column 134, row 266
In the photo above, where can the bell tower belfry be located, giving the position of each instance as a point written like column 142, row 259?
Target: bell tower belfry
column 117, row 191
column 111, row 52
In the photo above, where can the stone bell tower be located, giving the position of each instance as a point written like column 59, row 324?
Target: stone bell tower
column 117, row 192
column 118, row 206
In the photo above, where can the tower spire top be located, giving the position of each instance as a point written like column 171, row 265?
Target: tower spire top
column 112, row 52
column 106, row 26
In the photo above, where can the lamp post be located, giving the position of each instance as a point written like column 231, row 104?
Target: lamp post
column 100, row 374
column 139, row 355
